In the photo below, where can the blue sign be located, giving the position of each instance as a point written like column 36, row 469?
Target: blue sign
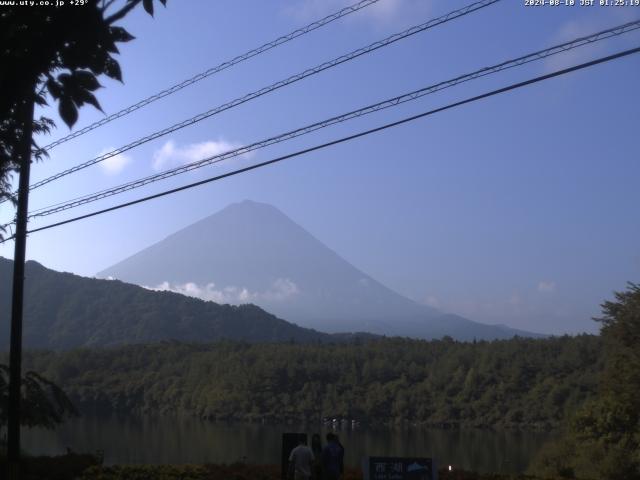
column 399, row 468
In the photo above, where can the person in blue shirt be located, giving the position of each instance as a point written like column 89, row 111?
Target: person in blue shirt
column 332, row 458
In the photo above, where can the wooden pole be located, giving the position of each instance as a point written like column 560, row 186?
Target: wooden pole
column 15, row 352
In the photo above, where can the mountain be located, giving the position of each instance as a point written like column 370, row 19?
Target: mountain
column 63, row 311
column 252, row 252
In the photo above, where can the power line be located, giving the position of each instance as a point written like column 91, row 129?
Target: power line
column 275, row 86
column 392, row 102
column 217, row 69
column 345, row 139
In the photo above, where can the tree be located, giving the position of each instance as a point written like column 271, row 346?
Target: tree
column 58, row 52
column 621, row 333
column 602, row 440
column 44, row 403
column 613, row 420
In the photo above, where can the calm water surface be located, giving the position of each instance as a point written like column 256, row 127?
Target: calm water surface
column 187, row 440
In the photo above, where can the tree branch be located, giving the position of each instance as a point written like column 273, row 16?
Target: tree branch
column 120, row 14
column 106, row 5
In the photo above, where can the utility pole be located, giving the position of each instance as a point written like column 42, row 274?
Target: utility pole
column 15, row 353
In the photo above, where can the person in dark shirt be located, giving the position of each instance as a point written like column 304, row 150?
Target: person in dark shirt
column 332, row 458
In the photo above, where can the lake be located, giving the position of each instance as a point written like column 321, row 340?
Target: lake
column 179, row 440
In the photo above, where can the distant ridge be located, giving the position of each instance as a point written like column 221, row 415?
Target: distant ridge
column 65, row 311
column 251, row 252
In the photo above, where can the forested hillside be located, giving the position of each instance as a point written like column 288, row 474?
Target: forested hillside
column 510, row 383
column 63, row 311
column 601, row 439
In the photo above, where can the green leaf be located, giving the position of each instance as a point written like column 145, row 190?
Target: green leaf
column 97, row 62
column 86, row 97
column 68, row 111
column 86, row 80
column 41, row 100
column 148, row 6
column 54, row 88
column 111, row 47
column 65, row 79
column 73, row 55
column 112, row 69
column 119, row 34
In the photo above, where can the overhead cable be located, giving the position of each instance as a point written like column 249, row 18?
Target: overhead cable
column 343, row 139
column 392, row 102
column 217, row 69
column 275, row 86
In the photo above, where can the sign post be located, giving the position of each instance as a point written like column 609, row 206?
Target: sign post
column 399, row 468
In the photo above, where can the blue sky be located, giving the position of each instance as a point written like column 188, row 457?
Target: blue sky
column 520, row 209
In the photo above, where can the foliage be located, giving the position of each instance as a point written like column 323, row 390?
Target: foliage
column 44, row 404
column 184, row 472
column 621, row 331
column 59, row 52
column 520, row 383
column 86, row 467
column 63, row 467
column 249, row 472
column 464, row 475
column 602, row 440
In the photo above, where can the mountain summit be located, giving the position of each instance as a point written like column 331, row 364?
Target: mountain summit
column 251, row 252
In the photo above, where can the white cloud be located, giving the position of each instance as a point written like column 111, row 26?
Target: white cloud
column 546, row 286
column 113, row 165
column 380, row 12
column 170, row 155
column 585, row 26
column 514, row 300
column 432, row 301
column 280, row 290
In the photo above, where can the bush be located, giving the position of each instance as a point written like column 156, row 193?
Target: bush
column 63, row 467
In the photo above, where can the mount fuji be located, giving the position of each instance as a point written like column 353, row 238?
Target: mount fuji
column 251, row 252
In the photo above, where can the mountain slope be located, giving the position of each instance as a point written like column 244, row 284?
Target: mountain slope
column 63, row 310
column 252, row 252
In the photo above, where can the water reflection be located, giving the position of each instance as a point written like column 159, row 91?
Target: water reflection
column 155, row 440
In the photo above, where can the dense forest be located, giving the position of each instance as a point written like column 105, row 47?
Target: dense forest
column 601, row 439
column 522, row 383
